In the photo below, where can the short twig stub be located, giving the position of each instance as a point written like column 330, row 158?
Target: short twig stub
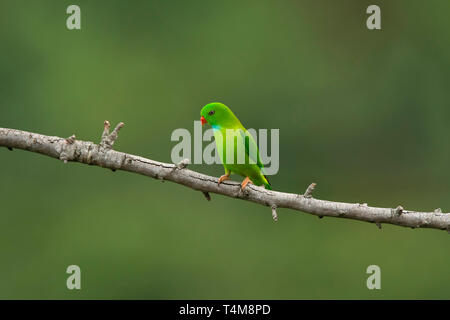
column 274, row 213
column 309, row 190
column 108, row 139
column 399, row 210
column 207, row 195
column 182, row 164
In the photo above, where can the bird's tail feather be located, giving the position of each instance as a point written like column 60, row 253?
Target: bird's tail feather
column 267, row 183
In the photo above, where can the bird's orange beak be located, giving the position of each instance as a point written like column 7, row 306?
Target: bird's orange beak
column 203, row 120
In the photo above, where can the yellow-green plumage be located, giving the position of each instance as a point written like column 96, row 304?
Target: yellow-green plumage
column 246, row 161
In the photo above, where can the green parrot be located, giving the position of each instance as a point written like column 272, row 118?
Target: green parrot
column 225, row 123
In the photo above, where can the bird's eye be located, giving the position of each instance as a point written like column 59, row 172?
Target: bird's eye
column 211, row 112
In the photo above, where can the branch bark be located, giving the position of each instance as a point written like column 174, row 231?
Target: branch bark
column 103, row 155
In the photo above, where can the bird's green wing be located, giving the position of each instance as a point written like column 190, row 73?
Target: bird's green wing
column 251, row 149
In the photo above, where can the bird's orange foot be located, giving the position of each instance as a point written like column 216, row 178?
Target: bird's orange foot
column 245, row 182
column 223, row 178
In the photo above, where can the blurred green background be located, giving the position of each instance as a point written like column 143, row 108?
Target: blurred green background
column 365, row 114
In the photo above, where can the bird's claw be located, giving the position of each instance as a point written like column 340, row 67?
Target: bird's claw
column 223, row 178
column 245, row 182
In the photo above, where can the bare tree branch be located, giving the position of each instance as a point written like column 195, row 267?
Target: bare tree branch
column 70, row 149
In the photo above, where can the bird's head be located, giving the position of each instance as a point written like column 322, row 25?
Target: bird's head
column 216, row 114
